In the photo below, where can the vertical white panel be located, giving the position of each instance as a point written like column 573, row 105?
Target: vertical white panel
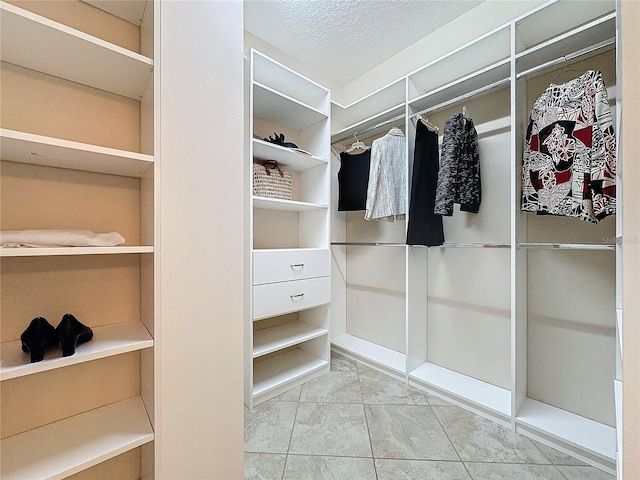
column 200, row 259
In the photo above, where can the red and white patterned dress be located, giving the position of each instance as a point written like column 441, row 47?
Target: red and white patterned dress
column 569, row 164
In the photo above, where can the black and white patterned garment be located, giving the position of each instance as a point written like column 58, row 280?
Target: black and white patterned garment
column 459, row 174
column 569, row 164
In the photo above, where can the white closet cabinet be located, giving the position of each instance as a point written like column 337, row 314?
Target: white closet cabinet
column 289, row 261
column 515, row 317
column 77, row 152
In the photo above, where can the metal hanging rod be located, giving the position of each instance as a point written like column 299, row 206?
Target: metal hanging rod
column 566, row 246
column 564, row 59
column 465, row 96
column 444, row 245
column 370, row 129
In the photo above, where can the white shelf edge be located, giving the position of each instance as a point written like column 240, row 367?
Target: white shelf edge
column 619, row 329
column 66, row 447
column 107, row 341
column 282, row 369
column 384, row 357
column 54, row 47
column 272, row 339
column 559, row 38
column 286, row 157
column 454, row 83
column 576, row 431
column 483, row 394
column 291, row 205
column 30, row 148
column 341, row 135
column 64, row 251
column 295, row 101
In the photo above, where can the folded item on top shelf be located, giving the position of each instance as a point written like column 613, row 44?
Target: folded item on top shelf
column 58, row 238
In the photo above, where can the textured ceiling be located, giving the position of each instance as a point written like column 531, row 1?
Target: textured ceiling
column 343, row 39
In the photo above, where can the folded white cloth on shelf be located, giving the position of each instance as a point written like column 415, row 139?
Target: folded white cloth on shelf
column 58, row 238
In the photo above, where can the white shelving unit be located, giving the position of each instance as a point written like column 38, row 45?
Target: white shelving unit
column 502, row 63
column 289, row 290
column 58, row 53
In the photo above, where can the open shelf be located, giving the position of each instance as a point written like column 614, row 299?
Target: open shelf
column 571, row 429
column 107, row 341
column 273, row 339
column 61, row 51
column 468, row 390
column 290, row 205
column 383, row 99
column 285, row 157
column 68, row 446
column 371, row 125
column 284, row 369
column 289, row 83
column 34, row 149
column 600, row 31
column 63, row 251
column 370, row 353
column 281, row 109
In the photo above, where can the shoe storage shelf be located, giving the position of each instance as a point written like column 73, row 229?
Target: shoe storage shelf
column 289, row 262
column 76, row 144
column 480, row 321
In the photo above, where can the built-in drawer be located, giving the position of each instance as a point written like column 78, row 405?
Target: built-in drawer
column 271, row 266
column 273, row 299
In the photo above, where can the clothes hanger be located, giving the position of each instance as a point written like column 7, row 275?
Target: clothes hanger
column 565, row 70
column 428, row 124
column 357, row 144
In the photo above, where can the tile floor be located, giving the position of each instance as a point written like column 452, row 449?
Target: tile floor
column 355, row 423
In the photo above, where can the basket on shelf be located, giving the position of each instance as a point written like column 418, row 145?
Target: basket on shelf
column 269, row 180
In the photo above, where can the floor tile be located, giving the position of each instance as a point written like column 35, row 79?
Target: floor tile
column 434, row 400
column 268, row 427
column 332, row 387
column 303, row 467
column 420, row 470
column 556, row 457
column 511, row 471
column 331, row 429
column 478, row 439
column 264, row 466
column 379, row 388
column 584, row 473
column 292, row 395
column 340, row 363
column 407, row 431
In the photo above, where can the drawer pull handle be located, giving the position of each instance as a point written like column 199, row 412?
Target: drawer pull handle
column 297, row 265
column 299, row 295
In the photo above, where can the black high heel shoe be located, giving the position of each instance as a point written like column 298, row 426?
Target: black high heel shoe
column 38, row 336
column 72, row 333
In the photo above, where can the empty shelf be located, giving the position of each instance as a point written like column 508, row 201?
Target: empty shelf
column 273, row 339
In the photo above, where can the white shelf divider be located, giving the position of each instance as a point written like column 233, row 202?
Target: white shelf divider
column 468, row 390
column 279, row 108
column 574, row 430
column 55, row 49
column 64, row 251
column 107, row 341
column 371, row 353
column 291, row 205
column 286, row 157
column 284, row 369
column 69, row 446
column 272, row 339
column 22, row 147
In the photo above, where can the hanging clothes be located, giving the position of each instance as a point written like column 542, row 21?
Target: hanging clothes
column 459, row 175
column 387, row 190
column 424, row 226
column 353, row 180
column 569, row 163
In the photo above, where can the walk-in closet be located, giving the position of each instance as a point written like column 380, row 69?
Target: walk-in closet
column 514, row 316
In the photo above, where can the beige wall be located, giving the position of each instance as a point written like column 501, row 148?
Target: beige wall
column 630, row 26
column 199, row 271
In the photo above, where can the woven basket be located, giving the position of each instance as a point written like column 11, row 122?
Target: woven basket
column 269, row 180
